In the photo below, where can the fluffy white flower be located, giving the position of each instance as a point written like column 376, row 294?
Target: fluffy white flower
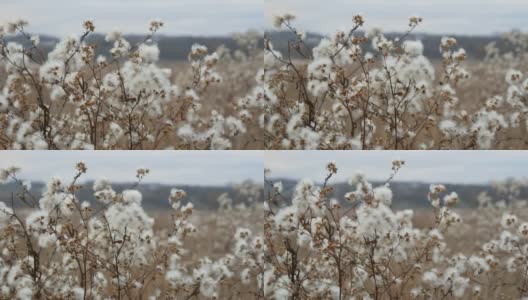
column 132, row 196
column 149, row 53
column 413, row 48
column 383, row 194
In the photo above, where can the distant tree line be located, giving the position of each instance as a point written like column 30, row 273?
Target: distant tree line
column 409, row 194
column 154, row 195
column 474, row 45
column 174, row 48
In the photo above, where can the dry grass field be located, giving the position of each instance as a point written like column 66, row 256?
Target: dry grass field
column 360, row 247
column 214, row 239
column 369, row 91
column 77, row 98
column 59, row 246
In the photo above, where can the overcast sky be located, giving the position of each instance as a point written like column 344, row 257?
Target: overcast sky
column 220, row 17
column 182, row 17
column 170, row 167
column 223, row 167
column 440, row 16
column 425, row 166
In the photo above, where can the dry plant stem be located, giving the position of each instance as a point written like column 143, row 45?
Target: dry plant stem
column 321, row 247
column 77, row 99
column 343, row 94
column 64, row 248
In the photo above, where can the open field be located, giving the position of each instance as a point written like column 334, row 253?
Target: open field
column 63, row 247
column 76, row 97
column 334, row 248
column 357, row 90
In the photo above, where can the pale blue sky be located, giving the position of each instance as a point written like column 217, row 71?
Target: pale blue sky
column 440, row 16
column 426, row 166
column 170, row 167
column 182, row 17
